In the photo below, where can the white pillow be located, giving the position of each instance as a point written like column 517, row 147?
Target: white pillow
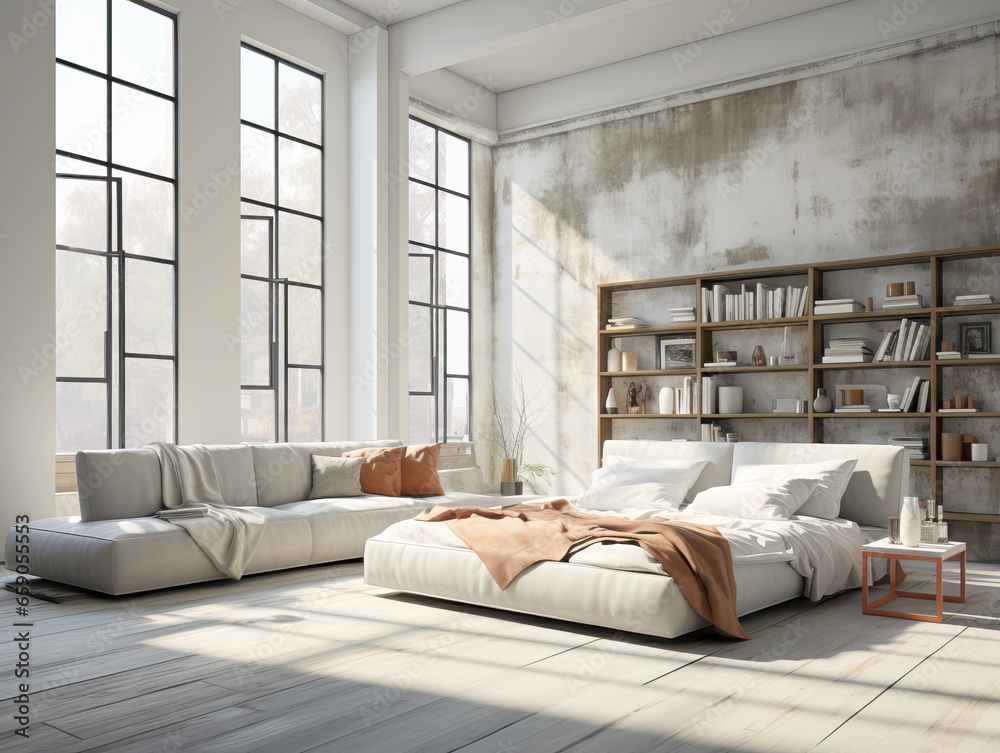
column 831, row 478
column 760, row 498
column 623, row 488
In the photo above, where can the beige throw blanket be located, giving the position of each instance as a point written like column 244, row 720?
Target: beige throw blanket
column 193, row 497
column 510, row 539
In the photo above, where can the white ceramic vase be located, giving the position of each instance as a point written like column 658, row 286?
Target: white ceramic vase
column 909, row 521
column 666, row 400
column 730, row 399
column 614, row 359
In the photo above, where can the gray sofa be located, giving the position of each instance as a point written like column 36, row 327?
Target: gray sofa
column 118, row 546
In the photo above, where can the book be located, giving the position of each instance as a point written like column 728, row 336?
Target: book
column 847, row 359
column 958, row 410
column 923, row 398
column 910, row 396
column 828, row 307
column 853, row 409
column 980, row 299
column 900, row 341
column 945, row 355
column 981, row 355
column 717, row 364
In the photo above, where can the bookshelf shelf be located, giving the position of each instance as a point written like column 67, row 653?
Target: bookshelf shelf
column 933, row 271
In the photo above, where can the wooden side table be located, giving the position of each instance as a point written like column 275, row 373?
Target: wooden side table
column 894, row 553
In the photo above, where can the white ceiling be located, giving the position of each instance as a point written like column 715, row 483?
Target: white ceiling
column 660, row 27
column 393, row 11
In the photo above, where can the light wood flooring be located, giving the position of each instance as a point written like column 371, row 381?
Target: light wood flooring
column 314, row 660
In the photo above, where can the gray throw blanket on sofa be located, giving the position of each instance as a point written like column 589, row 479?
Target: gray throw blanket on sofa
column 193, row 498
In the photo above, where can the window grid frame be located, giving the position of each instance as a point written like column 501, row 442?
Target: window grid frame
column 439, row 319
column 116, row 257
column 279, row 344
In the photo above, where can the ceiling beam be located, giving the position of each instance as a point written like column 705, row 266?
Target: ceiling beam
column 333, row 13
column 474, row 28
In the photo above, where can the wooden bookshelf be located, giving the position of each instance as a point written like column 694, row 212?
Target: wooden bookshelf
column 937, row 311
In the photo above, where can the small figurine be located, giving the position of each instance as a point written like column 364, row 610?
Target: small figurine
column 635, row 402
column 759, row 359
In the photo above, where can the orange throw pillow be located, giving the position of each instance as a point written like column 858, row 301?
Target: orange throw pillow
column 420, row 476
column 382, row 471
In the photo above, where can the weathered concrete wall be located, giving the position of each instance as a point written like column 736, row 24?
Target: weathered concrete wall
column 895, row 156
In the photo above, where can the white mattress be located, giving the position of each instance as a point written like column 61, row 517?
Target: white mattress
column 620, row 586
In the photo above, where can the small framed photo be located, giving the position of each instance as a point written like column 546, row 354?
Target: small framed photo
column 674, row 352
column 977, row 338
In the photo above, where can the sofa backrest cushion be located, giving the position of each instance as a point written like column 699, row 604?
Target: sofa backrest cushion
column 283, row 472
column 234, row 467
column 117, row 484
column 718, row 454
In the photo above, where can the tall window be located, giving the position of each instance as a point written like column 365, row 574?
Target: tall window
column 116, row 224
column 440, row 318
column 281, row 125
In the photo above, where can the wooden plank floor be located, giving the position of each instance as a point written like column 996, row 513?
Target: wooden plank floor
column 314, row 660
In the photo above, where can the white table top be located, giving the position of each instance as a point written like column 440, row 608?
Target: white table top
column 942, row 551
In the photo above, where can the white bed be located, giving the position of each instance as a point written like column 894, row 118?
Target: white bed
column 621, row 587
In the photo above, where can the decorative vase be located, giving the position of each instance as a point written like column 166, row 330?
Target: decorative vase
column 614, row 359
column 759, row 358
column 630, row 362
column 611, row 405
column 951, row 446
column 666, row 400
column 909, row 521
column 822, row 403
column 894, row 401
column 730, row 399
column 787, row 356
column 508, row 472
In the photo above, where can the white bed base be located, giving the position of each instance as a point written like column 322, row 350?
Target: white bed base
column 633, row 601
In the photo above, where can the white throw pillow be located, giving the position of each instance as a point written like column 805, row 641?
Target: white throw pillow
column 831, row 476
column 661, row 488
column 760, row 498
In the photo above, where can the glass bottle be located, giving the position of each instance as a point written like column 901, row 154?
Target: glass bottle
column 928, row 528
column 942, row 527
column 787, row 356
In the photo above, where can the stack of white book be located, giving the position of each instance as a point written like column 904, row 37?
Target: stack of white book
column 837, row 306
column 847, row 350
column 978, row 299
column 948, row 355
column 911, row 342
column 626, row 322
column 914, row 301
column 709, row 394
column 679, row 315
column 918, row 448
column 686, row 397
column 853, row 409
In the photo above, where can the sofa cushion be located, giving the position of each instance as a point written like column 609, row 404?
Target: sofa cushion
column 234, row 467
column 382, row 470
column 336, row 477
column 116, row 484
column 283, row 472
column 141, row 554
column 420, row 477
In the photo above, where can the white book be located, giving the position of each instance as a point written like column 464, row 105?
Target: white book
column 901, row 341
column 911, row 398
column 883, row 346
column 922, row 399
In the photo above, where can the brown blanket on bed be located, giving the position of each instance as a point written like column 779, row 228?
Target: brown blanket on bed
column 510, row 539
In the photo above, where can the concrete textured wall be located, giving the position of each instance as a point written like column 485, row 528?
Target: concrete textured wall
column 894, row 156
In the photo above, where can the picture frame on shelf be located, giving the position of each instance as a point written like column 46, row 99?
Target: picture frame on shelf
column 977, row 337
column 673, row 352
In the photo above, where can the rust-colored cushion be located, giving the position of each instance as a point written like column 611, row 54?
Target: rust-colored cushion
column 382, row 471
column 420, row 476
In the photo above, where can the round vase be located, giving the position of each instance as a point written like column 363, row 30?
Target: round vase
column 909, row 522
column 614, row 359
column 666, row 400
column 822, row 403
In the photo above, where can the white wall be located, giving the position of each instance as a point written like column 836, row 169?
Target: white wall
column 27, row 262
column 209, row 241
